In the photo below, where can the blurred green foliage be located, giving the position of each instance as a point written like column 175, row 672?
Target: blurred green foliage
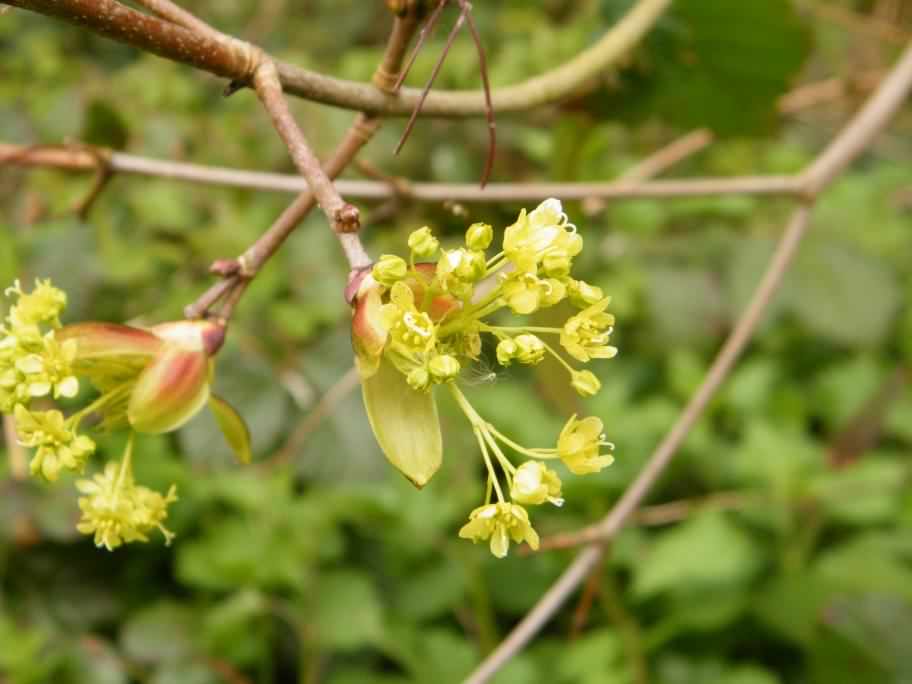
column 331, row 568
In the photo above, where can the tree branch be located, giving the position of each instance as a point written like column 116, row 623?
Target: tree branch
column 78, row 158
column 849, row 144
column 237, row 273
column 235, row 59
column 342, row 216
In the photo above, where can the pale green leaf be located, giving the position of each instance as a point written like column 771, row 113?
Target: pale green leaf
column 233, row 428
column 405, row 423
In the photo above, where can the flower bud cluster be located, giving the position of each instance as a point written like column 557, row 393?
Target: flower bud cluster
column 150, row 380
column 425, row 317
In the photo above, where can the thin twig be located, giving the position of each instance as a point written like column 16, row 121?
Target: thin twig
column 342, row 216
column 430, row 82
column 650, row 516
column 486, row 87
column 178, row 15
column 426, row 32
column 859, row 132
column 344, row 386
column 77, row 159
column 359, row 134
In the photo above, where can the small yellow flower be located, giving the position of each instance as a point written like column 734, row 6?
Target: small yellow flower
column 553, row 291
column 42, row 305
column 529, row 349
column 542, row 232
column 58, row 446
column 578, row 446
column 500, row 523
column 479, row 236
column 506, row 351
column 585, row 383
column 116, row 511
column 389, row 269
column 586, row 335
column 534, row 483
column 418, row 378
column 582, row 294
column 444, row 367
column 411, row 330
column 51, row 369
column 423, row 243
column 522, row 292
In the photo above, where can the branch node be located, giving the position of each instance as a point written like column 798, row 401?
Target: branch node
column 347, row 219
column 225, row 268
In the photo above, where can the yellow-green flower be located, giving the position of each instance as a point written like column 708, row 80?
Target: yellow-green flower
column 116, row 511
column 534, row 483
column 522, row 292
column 500, row 523
column 585, row 336
column 582, row 294
column 51, row 368
column 42, row 305
column 389, row 269
column 57, row 444
column 411, row 330
column 529, row 349
column 479, row 236
column 443, row 367
column 544, row 231
column 423, row 243
column 585, row 383
column 578, row 446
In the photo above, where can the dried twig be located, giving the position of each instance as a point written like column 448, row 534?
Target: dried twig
column 413, row 117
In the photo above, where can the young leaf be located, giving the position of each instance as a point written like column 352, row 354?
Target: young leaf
column 404, row 422
column 233, row 427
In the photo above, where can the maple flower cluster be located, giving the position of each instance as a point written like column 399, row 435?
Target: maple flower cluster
column 419, row 323
column 150, row 381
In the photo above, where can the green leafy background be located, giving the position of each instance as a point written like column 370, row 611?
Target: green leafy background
column 329, row 567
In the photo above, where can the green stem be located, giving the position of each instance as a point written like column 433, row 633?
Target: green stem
column 522, row 328
column 126, row 465
column 492, row 476
column 570, row 369
column 533, row 453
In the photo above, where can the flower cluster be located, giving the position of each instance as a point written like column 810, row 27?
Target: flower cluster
column 150, row 381
column 419, row 323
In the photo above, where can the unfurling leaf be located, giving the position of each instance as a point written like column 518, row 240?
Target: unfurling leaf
column 233, row 427
column 405, row 423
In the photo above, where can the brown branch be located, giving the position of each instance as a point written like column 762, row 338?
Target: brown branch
column 413, row 117
column 239, row 272
column 342, row 216
column 234, row 59
column 77, row 159
column 178, row 15
column 859, row 132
